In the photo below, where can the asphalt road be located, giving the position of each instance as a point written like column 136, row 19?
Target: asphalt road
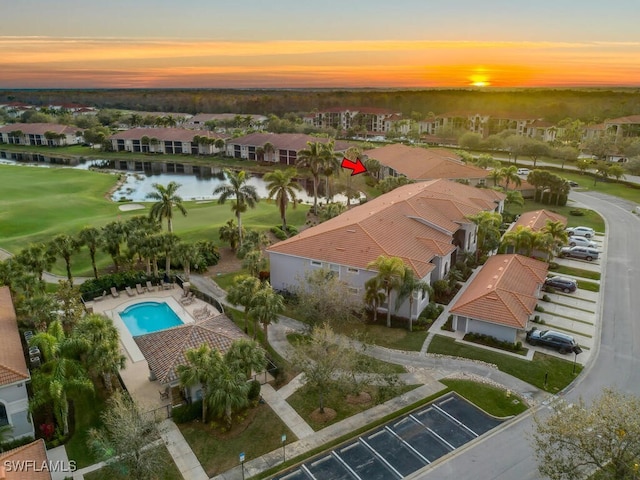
column 507, row 453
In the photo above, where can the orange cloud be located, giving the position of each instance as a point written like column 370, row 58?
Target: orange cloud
column 103, row 62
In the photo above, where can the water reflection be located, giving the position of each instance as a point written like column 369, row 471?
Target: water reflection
column 197, row 182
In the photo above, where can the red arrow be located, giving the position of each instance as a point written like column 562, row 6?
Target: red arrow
column 356, row 166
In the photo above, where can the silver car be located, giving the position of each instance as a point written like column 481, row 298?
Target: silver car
column 581, row 242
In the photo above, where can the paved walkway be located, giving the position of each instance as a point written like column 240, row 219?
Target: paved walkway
column 181, row 452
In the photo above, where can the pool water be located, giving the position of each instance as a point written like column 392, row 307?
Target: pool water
column 148, row 317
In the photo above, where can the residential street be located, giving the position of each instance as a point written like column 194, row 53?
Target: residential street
column 615, row 364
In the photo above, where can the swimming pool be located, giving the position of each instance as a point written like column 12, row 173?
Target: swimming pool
column 148, row 317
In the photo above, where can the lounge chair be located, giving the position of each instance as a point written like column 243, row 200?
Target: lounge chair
column 129, row 291
column 100, row 297
column 114, row 292
column 139, row 289
column 167, row 286
column 150, row 287
column 188, row 300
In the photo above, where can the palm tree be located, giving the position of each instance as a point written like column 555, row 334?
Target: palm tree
column 102, row 354
column 265, row 307
column 410, row 285
column 167, row 243
column 543, row 242
column 37, row 258
column 268, row 150
column 242, row 292
column 246, row 196
column 374, row 296
column 391, row 272
column 65, row 246
column 521, row 239
column 200, row 369
column 187, row 254
column 90, row 236
column 112, row 235
column 558, row 233
column 229, row 233
column 332, row 161
column 228, row 390
column 313, row 157
column 246, row 356
column 167, row 198
column 254, row 262
column 488, row 232
column 514, row 197
column 510, row 174
column 496, row 175
column 60, row 375
column 282, row 188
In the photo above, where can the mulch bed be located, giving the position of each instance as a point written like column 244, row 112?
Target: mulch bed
column 328, row 415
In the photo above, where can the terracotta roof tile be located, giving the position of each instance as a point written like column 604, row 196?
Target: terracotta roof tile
column 415, row 222
column 164, row 350
column 284, row 141
column 630, row 119
column 39, row 128
column 170, row 134
column 504, row 291
column 35, row 454
column 537, row 219
column 420, row 163
column 13, row 367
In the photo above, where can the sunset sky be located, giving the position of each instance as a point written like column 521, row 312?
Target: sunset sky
column 321, row 43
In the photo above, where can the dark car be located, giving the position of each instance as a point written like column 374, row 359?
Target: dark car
column 560, row 341
column 567, row 285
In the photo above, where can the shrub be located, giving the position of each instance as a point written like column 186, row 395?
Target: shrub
column 254, row 391
column 545, row 298
column 11, row 444
column 95, row 286
column 187, row 413
column 431, row 311
column 277, row 231
column 490, row 341
column 577, row 212
column 539, row 308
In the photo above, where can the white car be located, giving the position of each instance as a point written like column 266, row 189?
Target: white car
column 581, row 242
column 581, row 232
column 523, row 171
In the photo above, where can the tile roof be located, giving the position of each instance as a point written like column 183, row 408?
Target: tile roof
column 284, row 141
column 170, row 134
column 165, row 350
column 205, row 117
column 13, row 367
column 537, row 219
column 39, row 128
column 504, row 291
column 36, row 468
column 420, row 163
column 631, row 119
column 415, row 222
column 366, row 110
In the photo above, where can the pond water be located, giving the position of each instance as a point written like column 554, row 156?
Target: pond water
column 196, row 182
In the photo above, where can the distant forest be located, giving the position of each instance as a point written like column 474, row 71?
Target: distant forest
column 588, row 105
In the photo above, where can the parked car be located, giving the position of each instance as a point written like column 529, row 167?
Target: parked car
column 584, row 253
column 581, row 242
column 523, row 171
column 573, row 184
column 565, row 284
column 561, row 341
column 581, row 231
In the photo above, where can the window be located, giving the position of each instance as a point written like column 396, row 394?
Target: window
column 353, row 270
column 4, row 419
column 315, row 263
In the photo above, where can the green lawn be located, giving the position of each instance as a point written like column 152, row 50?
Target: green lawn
column 305, row 401
column 171, row 472
column 218, row 452
column 38, row 203
column 495, row 401
column 576, row 272
column 559, row 372
column 589, row 219
column 88, row 408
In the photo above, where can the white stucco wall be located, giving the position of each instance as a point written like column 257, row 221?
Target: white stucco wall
column 471, row 325
column 15, row 399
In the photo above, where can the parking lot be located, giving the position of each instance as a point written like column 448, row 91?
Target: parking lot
column 576, row 313
column 402, row 446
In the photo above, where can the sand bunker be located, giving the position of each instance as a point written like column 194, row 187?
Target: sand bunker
column 131, row 206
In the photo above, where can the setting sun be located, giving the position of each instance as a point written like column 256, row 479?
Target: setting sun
column 479, row 80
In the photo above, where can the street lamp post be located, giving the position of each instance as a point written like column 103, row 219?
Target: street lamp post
column 284, row 440
column 242, row 463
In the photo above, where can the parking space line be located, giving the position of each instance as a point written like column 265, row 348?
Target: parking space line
column 380, row 457
column 455, row 420
column 434, row 433
column 408, row 445
column 345, row 465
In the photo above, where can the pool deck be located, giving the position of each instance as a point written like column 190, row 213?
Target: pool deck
column 135, row 375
